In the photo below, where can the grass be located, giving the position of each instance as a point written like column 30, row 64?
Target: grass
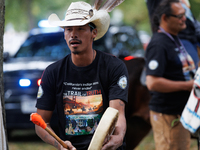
column 30, row 146
column 28, row 140
column 148, row 143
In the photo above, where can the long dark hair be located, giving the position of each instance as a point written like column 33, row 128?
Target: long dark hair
column 164, row 7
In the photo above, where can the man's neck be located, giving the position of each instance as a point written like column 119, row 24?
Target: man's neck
column 82, row 60
column 169, row 31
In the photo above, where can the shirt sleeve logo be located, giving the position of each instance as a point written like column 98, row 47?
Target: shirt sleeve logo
column 40, row 92
column 122, row 82
column 153, row 64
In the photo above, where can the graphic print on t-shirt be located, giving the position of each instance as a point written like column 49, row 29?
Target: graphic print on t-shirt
column 83, row 107
column 188, row 65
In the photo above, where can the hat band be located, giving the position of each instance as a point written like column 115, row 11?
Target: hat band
column 77, row 11
column 77, row 19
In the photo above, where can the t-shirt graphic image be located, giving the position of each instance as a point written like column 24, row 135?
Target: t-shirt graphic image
column 188, row 65
column 83, row 111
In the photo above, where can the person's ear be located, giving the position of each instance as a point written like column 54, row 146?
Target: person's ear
column 64, row 34
column 164, row 17
column 94, row 32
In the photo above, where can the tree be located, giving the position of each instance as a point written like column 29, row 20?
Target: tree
column 3, row 139
column 25, row 14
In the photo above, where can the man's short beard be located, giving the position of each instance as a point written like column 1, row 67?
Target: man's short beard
column 76, row 53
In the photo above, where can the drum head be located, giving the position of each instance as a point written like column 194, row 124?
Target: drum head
column 104, row 129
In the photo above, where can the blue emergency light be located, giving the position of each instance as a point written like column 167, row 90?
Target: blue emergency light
column 24, row 82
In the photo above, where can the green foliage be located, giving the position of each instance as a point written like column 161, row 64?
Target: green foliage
column 136, row 14
column 25, row 14
column 195, row 7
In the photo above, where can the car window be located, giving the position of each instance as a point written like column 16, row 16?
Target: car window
column 124, row 44
column 51, row 45
column 124, row 41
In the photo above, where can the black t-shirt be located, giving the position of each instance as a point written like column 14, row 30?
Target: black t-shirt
column 164, row 59
column 82, row 94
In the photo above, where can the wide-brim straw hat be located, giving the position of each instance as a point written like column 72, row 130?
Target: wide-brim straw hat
column 82, row 13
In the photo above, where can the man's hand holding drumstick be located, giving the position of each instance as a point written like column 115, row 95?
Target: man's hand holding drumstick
column 37, row 120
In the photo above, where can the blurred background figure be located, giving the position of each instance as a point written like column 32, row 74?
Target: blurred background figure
column 190, row 37
column 169, row 77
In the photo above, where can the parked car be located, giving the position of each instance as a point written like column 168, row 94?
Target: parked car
column 23, row 71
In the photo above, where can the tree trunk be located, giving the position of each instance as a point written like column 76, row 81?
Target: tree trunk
column 3, row 137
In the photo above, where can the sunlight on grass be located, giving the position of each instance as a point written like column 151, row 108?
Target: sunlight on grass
column 148, row 143
column 30, row 146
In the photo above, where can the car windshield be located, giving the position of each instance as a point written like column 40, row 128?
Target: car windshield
column 123, row 41
column 125, row 44
column 50, row 45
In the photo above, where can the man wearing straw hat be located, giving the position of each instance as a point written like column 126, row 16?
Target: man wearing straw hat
column 84, row 83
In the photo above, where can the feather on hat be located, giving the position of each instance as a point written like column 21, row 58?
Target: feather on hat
column 81, row 13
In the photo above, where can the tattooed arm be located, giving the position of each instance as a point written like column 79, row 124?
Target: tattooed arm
column 116, row 139
column 44, row 135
